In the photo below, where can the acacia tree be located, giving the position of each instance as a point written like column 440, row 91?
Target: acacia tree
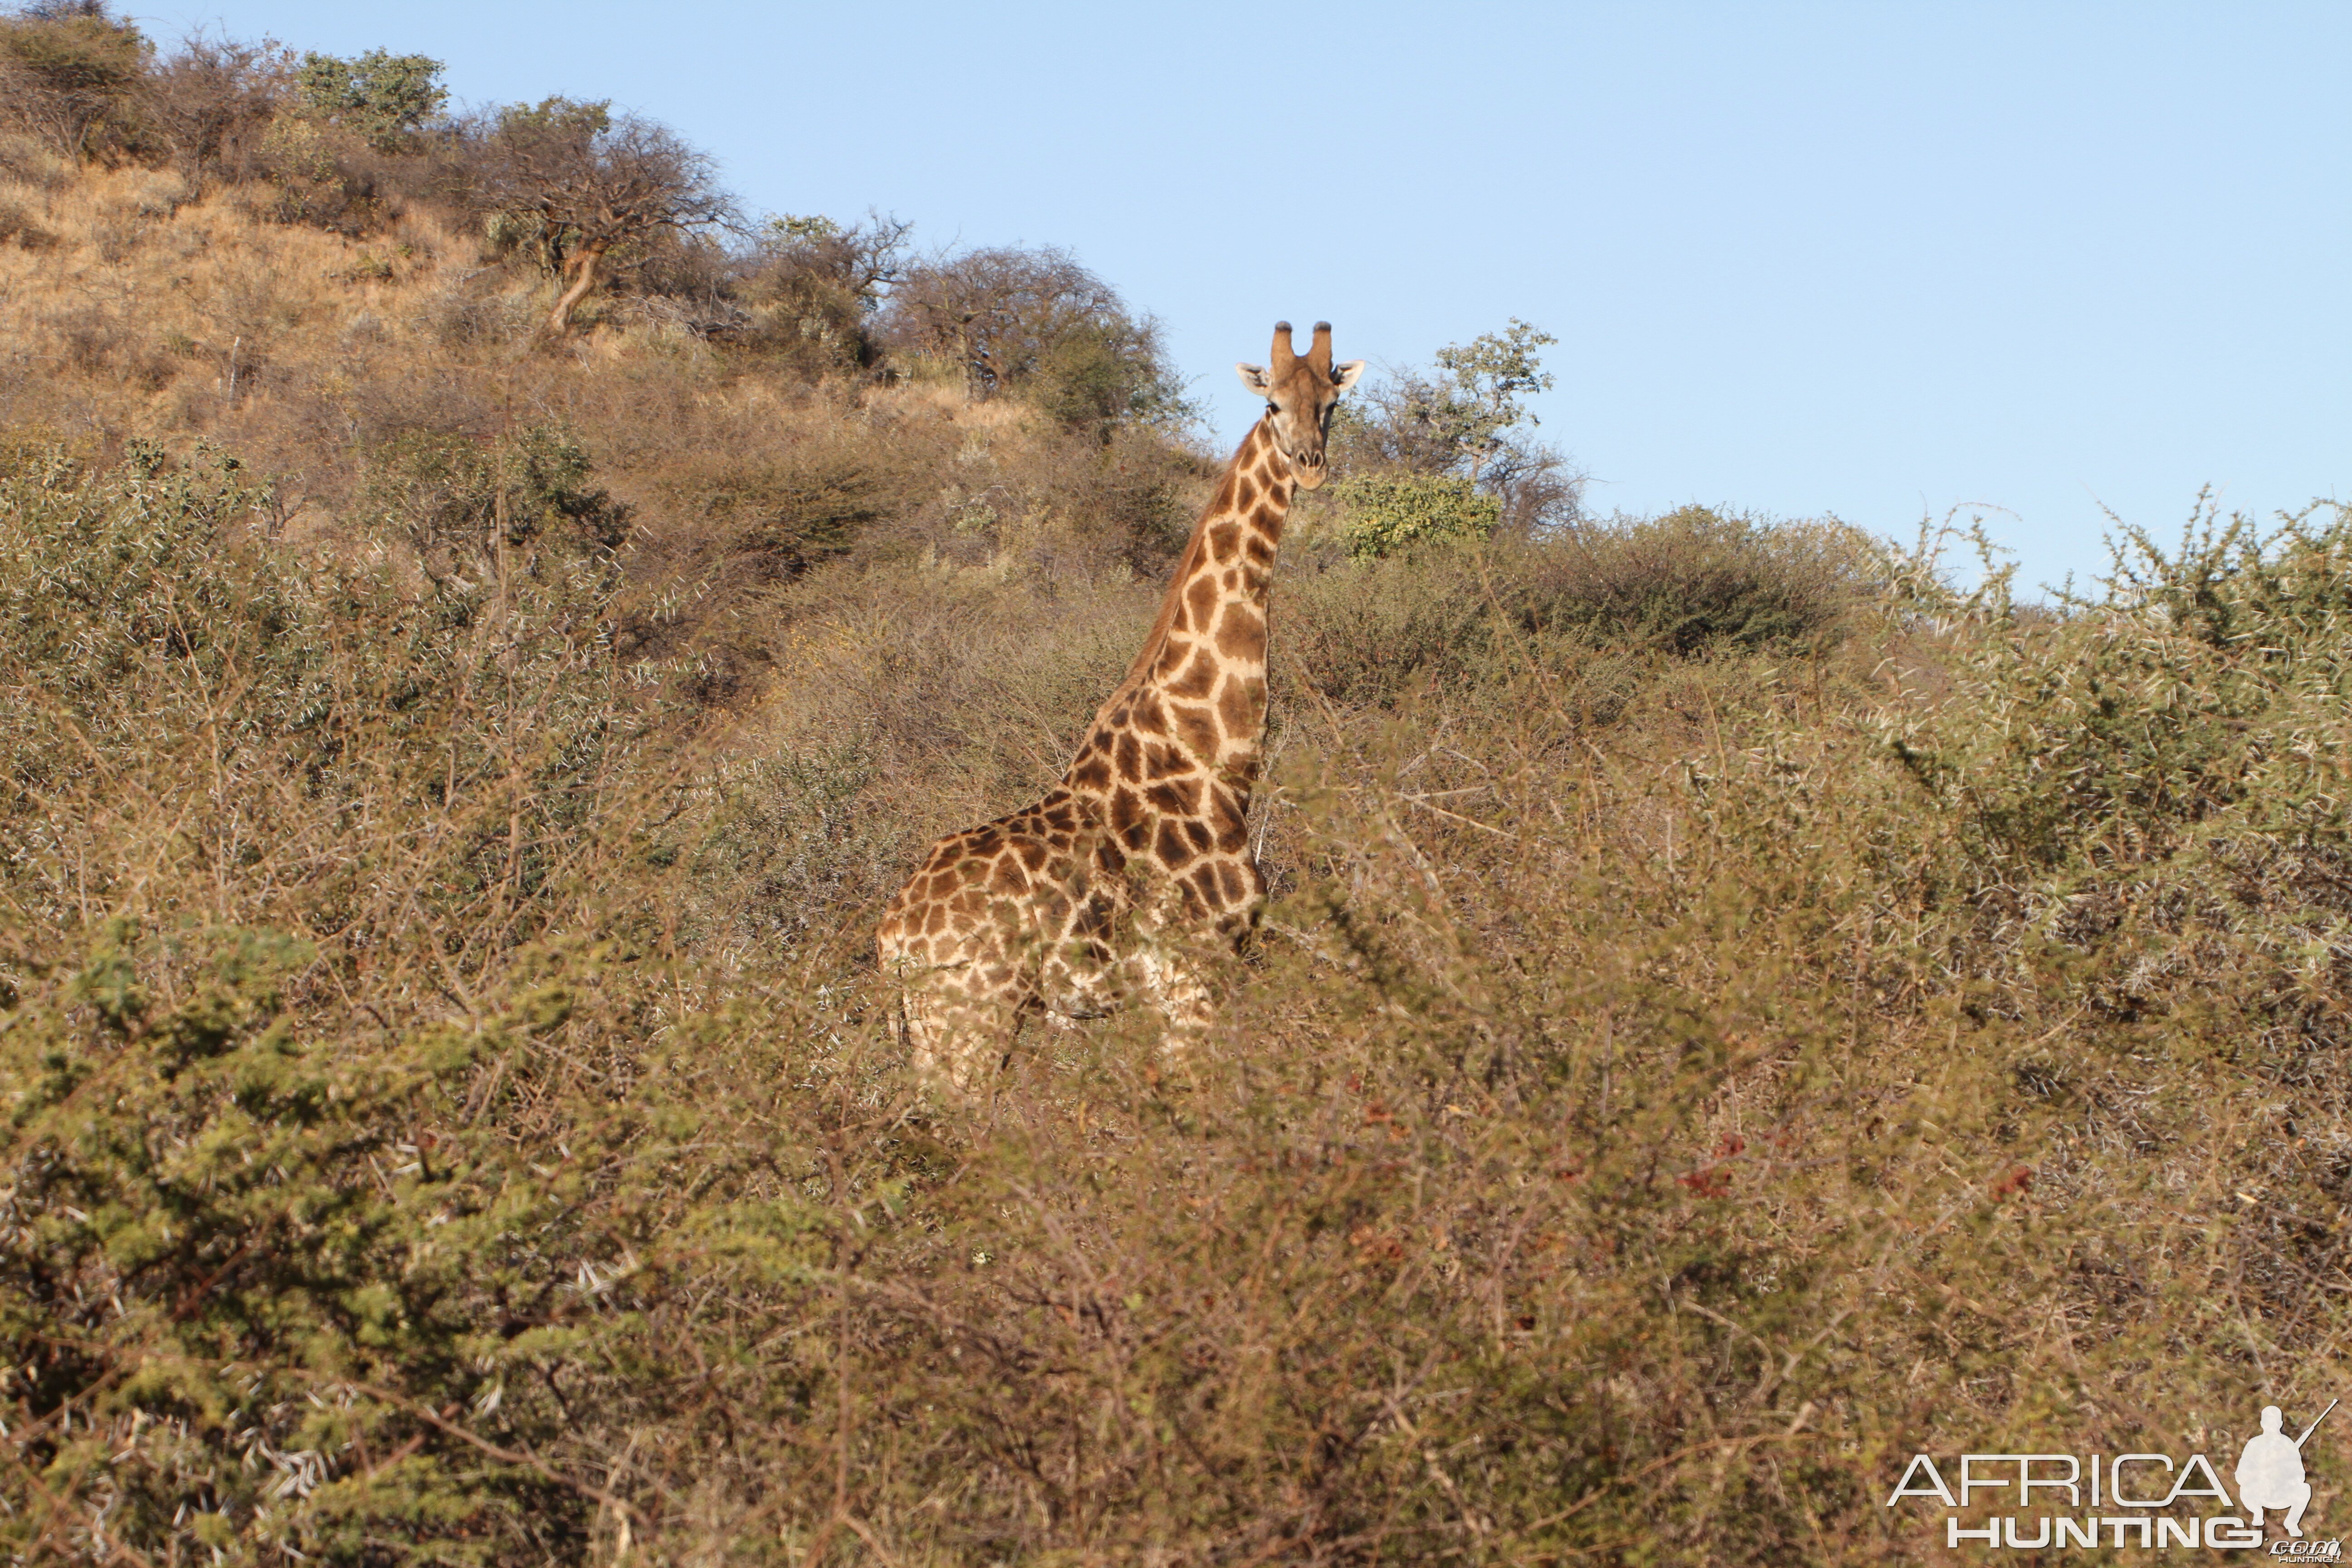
column 1458, row 419
column 383, row 98
column 822, row 283
column 589, row 183
column 210, row 104
column 1465, row 425
column 1037, row 323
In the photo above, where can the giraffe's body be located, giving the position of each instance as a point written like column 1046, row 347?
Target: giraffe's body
column 1097, row 892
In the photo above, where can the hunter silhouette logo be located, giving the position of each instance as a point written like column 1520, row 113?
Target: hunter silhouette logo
column 2270, row 1471
column 2143, row 1502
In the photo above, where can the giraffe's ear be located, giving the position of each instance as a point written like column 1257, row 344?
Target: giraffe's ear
column 1254, row 376
column 1346, row 373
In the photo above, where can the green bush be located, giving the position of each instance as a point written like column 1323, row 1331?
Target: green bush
column 1386, row 513
column 1696, row 578
column 148, row 633
column 794, row 850
column 1686, row 584
column 354, row 1296
column 2204, row 690
column 324, row 1173
column 107, row 583
column 2157, row 777
column 380, row 98
column 459, row 502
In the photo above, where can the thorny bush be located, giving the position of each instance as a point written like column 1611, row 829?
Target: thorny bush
column 1679, row 1077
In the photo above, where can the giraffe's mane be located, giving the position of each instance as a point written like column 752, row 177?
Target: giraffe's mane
column 1221, row 505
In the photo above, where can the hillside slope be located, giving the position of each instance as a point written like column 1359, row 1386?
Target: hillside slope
column 1736, row 1013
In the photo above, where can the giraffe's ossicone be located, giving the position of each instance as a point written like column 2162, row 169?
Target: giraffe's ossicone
column 1102, row 891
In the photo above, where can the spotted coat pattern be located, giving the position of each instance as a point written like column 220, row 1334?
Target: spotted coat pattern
column 1097, row 892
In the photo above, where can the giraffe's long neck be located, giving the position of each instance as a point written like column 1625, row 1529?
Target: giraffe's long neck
column 1199, row 681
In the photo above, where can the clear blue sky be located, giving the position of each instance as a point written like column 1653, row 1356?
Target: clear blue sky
column 1873, row 260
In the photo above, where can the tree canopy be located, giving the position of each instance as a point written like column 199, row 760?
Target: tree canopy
column 63, row 67
column 1036, row 322
column 588, row 182
column 383, row 98
column 1445, row 453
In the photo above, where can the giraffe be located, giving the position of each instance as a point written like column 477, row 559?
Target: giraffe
column 1093, row 894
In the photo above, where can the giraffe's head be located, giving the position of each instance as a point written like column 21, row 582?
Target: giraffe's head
column 1300, row 394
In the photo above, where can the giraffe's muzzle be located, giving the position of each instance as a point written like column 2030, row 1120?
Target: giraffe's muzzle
column 1309, row 472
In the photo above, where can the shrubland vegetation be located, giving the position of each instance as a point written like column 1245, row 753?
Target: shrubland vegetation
column 1736, row 1011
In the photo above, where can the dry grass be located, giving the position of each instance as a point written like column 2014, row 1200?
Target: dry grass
column 158, row 317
